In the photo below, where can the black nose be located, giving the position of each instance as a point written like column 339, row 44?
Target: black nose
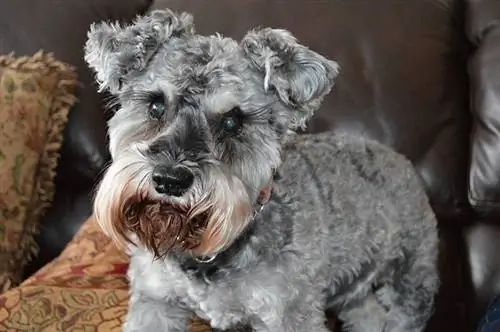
column 172, row 181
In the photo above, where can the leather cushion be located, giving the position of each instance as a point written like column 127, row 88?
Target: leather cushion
column 484, row 175
column 402, row 81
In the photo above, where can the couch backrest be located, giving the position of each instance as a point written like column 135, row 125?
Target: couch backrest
column 403, row 81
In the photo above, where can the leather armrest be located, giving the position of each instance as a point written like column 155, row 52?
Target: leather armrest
column 484, row 174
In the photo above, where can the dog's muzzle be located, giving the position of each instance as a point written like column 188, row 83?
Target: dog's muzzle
column 203, row 226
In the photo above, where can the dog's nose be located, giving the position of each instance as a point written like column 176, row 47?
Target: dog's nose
column 172, row 181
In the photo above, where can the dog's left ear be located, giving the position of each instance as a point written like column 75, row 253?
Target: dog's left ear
column 299, row 76
column 114, row 51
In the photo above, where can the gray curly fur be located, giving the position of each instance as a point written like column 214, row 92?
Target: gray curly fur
column 348, row 225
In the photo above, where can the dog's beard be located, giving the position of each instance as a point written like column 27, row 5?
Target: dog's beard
column 162, row 227
column 213, row 214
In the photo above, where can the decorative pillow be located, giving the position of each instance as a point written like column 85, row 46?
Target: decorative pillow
column 35, row 98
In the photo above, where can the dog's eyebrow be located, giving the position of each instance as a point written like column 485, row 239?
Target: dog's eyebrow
column 144, row 95
column 261, row 110
column 157, row 96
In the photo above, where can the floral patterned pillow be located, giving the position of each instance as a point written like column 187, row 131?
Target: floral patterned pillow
column 36, row 94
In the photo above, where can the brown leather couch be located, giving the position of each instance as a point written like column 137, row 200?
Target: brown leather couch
column 420, row 75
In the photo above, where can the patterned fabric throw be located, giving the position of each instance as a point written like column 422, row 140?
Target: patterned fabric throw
column 84, row 289
column 35, row 98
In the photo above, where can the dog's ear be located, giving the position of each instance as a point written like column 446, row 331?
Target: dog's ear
column 114, row 51
column 298, row 75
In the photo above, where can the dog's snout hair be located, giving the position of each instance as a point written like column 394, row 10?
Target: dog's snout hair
column 219, row 198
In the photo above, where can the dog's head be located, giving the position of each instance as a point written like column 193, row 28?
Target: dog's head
column 199, row 127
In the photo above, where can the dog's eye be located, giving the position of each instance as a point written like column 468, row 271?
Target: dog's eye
column 157, row 108
column 232, row 122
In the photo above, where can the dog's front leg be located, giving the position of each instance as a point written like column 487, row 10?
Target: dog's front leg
column 151, row 315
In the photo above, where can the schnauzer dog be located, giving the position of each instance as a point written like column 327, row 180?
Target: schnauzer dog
column 227, row 212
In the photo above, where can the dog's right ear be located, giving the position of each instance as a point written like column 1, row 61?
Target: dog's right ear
column 114, row 51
